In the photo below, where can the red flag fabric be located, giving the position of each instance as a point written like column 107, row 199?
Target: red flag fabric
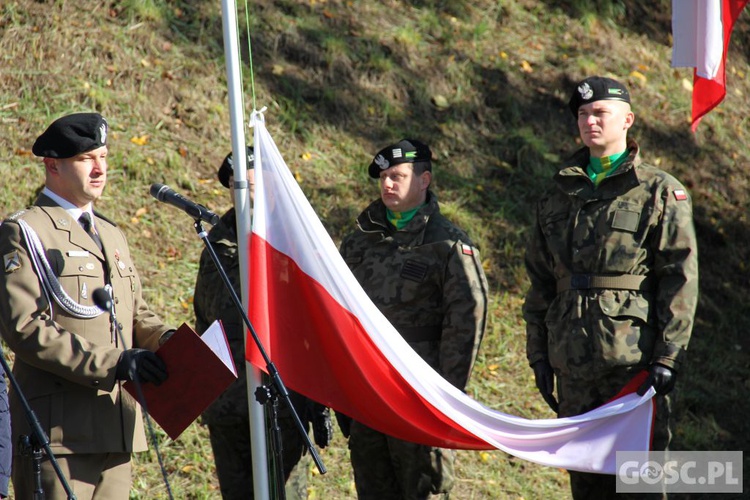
column 331, row 343
column 701, row 30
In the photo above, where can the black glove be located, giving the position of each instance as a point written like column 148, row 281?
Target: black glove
column 165, row 336
column 320, row 417
column 661, row 378
column 545, row 382
column 345, row 423
column 143, row 364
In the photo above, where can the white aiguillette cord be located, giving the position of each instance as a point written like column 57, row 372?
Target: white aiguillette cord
column 49, row 280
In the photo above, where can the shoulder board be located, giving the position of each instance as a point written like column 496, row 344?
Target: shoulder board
column 16, row 215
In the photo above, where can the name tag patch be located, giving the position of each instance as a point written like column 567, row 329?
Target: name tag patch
column 414, row 270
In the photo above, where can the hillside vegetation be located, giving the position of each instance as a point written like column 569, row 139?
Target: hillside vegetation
column 484, row 82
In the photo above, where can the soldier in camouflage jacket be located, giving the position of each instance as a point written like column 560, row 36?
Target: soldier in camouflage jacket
column 613, row 266
column 426, row 277
column 228, row 418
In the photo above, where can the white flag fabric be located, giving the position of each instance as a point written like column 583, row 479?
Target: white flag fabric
column 698, row 37
column 331, row 343
column 701, row 30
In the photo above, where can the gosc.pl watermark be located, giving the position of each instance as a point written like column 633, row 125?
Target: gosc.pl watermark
column 679, row 471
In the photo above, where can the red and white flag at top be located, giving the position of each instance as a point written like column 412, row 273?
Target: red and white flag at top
column 331, row 343
column 701, row 30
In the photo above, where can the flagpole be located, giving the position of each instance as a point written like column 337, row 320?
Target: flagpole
column 242, row 208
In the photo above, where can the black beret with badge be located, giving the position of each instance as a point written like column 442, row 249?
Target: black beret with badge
column 72, row 135
column 404, row 151
column 597, row 88
column 226, row 170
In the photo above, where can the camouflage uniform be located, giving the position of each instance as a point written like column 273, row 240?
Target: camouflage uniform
column 635, row 228
column 427, row 279
column 228, row 417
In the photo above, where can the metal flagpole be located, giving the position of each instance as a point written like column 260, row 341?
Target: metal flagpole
column 242, row 208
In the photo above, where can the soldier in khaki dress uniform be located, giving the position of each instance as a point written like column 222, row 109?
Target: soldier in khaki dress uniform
column 425, row 275
column 70, row 361
column 613, row 264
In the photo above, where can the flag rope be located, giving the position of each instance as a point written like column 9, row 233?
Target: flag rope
column 250, row 55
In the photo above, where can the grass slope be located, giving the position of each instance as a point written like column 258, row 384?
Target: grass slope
column 484, row 82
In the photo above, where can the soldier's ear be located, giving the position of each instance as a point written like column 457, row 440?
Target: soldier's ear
column 425, row 179
column 50, row 165
column 629, row 119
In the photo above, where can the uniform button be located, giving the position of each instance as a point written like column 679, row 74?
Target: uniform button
column 117, row 300
column 95, row 383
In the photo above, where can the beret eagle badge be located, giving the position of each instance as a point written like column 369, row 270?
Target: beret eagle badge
column 381, row 162
column 585, row 91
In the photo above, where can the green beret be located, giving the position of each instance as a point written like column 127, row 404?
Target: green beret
column 226, row 170
column 404, row 151
column 597, row 88
column 72, row 135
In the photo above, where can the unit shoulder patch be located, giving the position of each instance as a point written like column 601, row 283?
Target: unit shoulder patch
column 467, row 249
column 12, row 261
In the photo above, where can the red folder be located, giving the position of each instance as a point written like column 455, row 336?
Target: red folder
column 197, row 376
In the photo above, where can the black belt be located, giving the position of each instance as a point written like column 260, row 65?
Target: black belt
column 421, row 333
column 635, row 282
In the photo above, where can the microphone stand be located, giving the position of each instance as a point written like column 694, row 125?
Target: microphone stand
column 264, row 394
column 105, row 302
column 35, row 442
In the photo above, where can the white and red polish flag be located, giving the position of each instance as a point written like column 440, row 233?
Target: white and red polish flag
column 332, row 344
column 701, row 30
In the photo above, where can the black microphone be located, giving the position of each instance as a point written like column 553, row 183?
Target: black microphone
column 196, row 211
column 102, row 299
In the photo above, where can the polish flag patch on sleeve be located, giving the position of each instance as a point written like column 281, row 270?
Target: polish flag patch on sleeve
column 680, row 194
column 467, row 249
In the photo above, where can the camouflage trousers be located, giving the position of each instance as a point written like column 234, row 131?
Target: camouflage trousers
column 233, row 456
column 578, row 396
column 389, row 468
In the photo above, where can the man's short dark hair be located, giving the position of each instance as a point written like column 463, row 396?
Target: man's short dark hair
column 421, row 167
